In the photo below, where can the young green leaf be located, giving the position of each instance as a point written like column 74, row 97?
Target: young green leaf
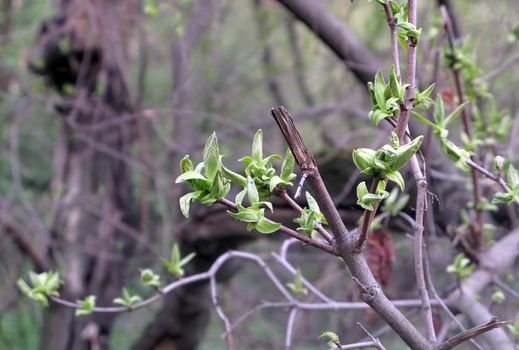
column 455, row 113
column 211, row 157
column 257, row 146
column 297, row 285
column 245, row 215
column 266, row 226
column 380, row 87
column 127, row 299
column 287, row 167
column 87, row 306
column 190, row 175
column 150, row 278
column 252, row 191
column 234, row 177
column 185, row 202
column 396, row 177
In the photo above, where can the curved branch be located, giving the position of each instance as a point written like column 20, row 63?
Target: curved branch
column 356, row 56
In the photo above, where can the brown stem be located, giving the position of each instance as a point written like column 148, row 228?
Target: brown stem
column 371, row 293
column 293, row 204
column 289, row 232
column 367, row 219
column 394, row 40
column 467, row 126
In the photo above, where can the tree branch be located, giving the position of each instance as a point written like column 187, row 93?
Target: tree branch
column 372, row 293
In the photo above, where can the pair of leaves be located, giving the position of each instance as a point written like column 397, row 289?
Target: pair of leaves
column 407, row 31
column 150, row 278
column 310, row 217
column 386, row 161
column 386, row 97
column 255, row 219
column 43, row 285
column 254, row 215
column 262, row 171
column 461, row 266
column 512, row 178
column 366, row 199
column 127, row 299
column 176, row 263
column 297, row 285
column 87, row 306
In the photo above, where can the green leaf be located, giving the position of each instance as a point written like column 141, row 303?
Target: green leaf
column 396, row 177
column 87, row 306
column 394, row 83
column 44, row 285
column 266, row 226
column 406, row 152
column 364, row 159
column 150, row 278
column 234, row 177
column 456, row 113
column 498, row 297
column 239, row 197
column 127, row 299
column 439, row 112
column 274, row 181
column 257, row 146
column 330, row 337
column 185, row 260
column 287, row 167
column 362, row 190
column 185, row 202
column 312, row 203
column 503, row 198
column 297, row 286
column 380, row 87
column 246, row 215
column 218, row 188
column 377, row 115
column 190, row 175
column 252, row 191
column 186, row 164
column 211, row 157
column 426, row 121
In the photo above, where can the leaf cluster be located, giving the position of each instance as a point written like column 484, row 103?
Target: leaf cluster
column 387, row 160
column 174, row 265
column 43, row 285
column 127, row 299
column 310, row 217
column 461, row 266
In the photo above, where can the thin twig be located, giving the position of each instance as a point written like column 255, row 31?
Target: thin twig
column 367, row 219
column 467, row 125
column 292, row 233
column 393, row 37
column 293, row 204
column 345, row 240
column 471, row 333
column 290, row 328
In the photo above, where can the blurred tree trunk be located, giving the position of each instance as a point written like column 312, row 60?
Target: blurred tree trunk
column 90, row 168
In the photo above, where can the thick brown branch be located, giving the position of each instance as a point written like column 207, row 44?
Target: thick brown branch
column 371, row 292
